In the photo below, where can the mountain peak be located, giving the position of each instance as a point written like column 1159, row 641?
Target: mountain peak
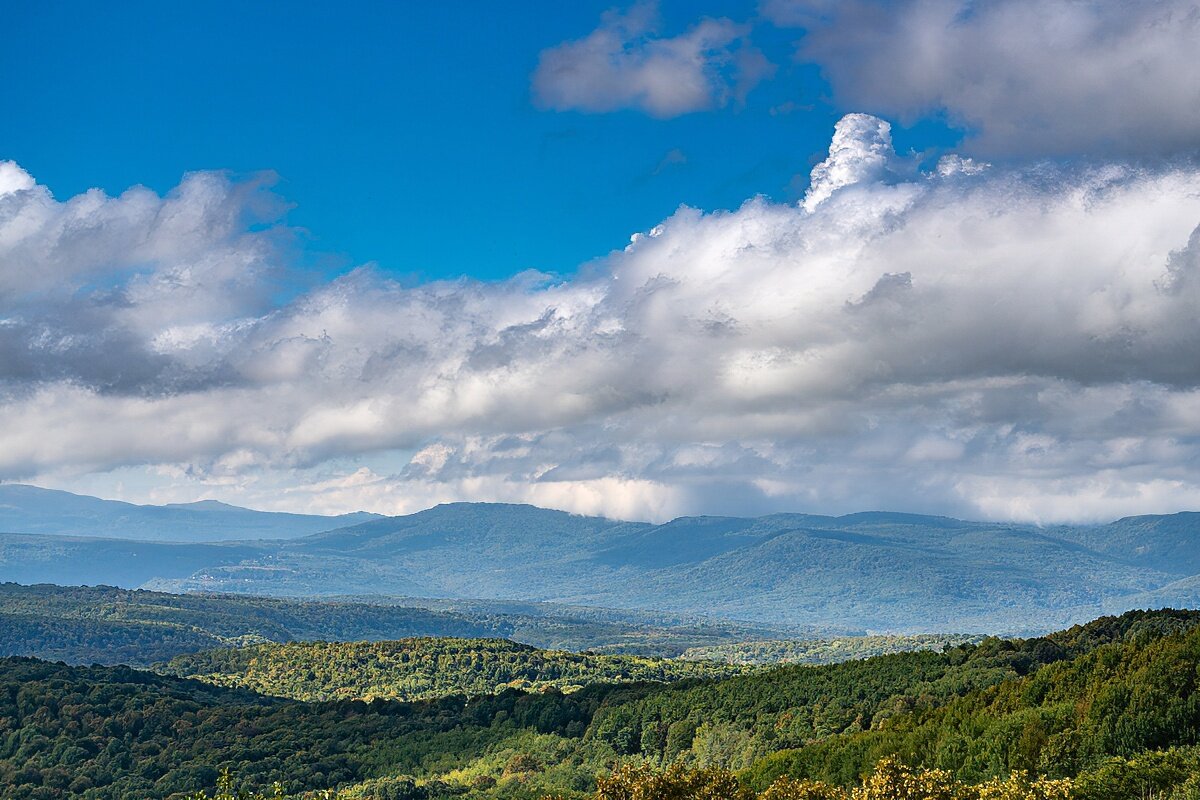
column 206, row 505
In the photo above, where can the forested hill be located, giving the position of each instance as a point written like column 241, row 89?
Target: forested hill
column 107, row 625
column 1064, row 704
column 418, row 669
column 868, row 572
column 824, row 651
column 1069, row 717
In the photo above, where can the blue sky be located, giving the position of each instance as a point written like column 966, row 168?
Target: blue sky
column 394, row 127
column 818, row 255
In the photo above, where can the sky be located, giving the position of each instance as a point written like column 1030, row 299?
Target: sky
column 638, row 260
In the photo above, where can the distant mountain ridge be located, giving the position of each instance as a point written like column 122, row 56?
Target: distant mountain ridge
column 32, row 509
column 875, row 571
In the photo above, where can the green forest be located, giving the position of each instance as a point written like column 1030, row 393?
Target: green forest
column 824, row 651
column 109, row 625
column 1103, row 711
column 423, row 668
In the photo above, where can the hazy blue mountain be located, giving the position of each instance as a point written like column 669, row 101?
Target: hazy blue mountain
column 463, row 550
column 31, row 509
column 871, row 571
column 1184, row 593
column 1170, row 542
column 681, row 541
column 85, row 560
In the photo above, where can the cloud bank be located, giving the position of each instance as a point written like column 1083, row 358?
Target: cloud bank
column 623, row 64
column 1013, row 343
column 1042, row 77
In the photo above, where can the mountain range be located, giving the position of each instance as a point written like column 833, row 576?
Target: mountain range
column 32, row 509
column 870, row 571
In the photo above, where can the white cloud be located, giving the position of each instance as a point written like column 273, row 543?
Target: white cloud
column 1042, row 77
column 14, row 179
column 859, row 153
column 624, row 64
column 973, row 340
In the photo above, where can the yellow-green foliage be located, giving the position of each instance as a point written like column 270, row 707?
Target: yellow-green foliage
column 891, row 780
column 423, row 668
column 227, row 789
column 788, row 788
column 824, row 651
column 641, row 782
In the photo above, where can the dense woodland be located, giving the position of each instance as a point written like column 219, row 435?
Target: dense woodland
column 825, row 651
column 105, row 624
column 1111, row 706
column 420, row 669
column 108, row 625
column 889, row 780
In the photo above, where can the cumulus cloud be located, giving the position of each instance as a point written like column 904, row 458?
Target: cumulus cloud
column 624, row 64
column 129, row 292
column 1008, row 342
column 860, row 152
column 1042, row 77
